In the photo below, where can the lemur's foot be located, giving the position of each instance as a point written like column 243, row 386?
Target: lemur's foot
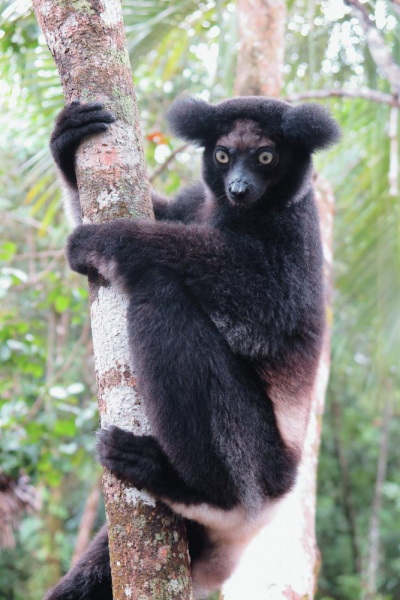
column 138, row 459
column 74, row 123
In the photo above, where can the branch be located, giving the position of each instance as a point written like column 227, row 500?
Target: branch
column 366, row 94
column 87, row 521
column 396, row 6
column 34, row 409
column 377, row 46
column 394, row 152
column 42, row 274
column 167, row 162
column 26, row 220
column 41, row 254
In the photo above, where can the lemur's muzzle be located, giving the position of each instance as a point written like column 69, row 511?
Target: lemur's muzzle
column 238, row 189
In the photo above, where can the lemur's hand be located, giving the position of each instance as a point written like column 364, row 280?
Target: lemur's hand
column 100, row 247
column 74, row 123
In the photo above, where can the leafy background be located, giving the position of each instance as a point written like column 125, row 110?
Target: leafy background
column 48, row 411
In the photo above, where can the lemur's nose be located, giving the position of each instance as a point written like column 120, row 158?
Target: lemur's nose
column 238, row 189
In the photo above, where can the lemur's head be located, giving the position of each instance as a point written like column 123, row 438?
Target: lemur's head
column 255, row 149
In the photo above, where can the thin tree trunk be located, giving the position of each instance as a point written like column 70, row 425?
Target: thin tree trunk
column 374, row 524
column 283, row 560
column 148, row 551
column 346, row 488
column 87, row 521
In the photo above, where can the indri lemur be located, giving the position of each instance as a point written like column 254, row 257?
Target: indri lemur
column 226, row 319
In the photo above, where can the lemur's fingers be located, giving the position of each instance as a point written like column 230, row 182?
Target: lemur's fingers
column 78, row 115
column 69, row 138
column 76, row 122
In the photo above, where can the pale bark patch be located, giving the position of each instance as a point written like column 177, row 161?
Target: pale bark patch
column 133, row 496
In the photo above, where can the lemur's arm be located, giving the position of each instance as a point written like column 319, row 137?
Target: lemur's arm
column 228, row 274
column 185, row 207
column 77, row 121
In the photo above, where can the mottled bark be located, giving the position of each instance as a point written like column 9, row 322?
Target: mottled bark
column 148, row 550
column 262, row 47
column 282, row 562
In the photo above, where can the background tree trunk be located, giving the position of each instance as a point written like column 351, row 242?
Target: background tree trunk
column 148, row 551
column 348, row 505
column 373, row 558
column 87, row 521
column 262, row 47
column 283, row 560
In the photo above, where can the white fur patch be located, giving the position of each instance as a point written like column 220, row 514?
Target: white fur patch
column 292, row 418
column 229, row 531
column 222, row 521
column 72, row 206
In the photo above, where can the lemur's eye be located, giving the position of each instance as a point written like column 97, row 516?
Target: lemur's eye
column 222, row 156
column 266, row 157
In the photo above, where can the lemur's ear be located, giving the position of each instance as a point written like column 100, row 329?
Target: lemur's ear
column 192, row 119
column 310, row 125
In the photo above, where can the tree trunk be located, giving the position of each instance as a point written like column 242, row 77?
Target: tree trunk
column 374, row 524
column 283, row 560
column 148, row 551
column 262, row 47
column 348, row 506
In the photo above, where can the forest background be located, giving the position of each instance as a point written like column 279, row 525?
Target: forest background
column 48, row 409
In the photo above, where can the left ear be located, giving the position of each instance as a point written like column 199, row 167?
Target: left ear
column 192, row 119
column 310, row 125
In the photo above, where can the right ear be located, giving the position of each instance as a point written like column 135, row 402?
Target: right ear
column 192, row 119
column 311, row 126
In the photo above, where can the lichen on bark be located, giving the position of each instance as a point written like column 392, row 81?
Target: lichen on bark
column 148, row 549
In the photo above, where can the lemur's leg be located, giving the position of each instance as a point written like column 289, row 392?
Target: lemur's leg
column 176, row 352
column 90, row 578
column 207, row 411
column 141, row 461
column 206, row 460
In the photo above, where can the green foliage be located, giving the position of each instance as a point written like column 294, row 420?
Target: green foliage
column 48, row 411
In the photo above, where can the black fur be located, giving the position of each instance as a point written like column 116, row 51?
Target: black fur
column 226, row 320
column 308, row 125
column 91, row 576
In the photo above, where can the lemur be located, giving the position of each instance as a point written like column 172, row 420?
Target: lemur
column 226, row 322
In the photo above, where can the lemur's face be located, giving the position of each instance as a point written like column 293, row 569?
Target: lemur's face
column 243, row 163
